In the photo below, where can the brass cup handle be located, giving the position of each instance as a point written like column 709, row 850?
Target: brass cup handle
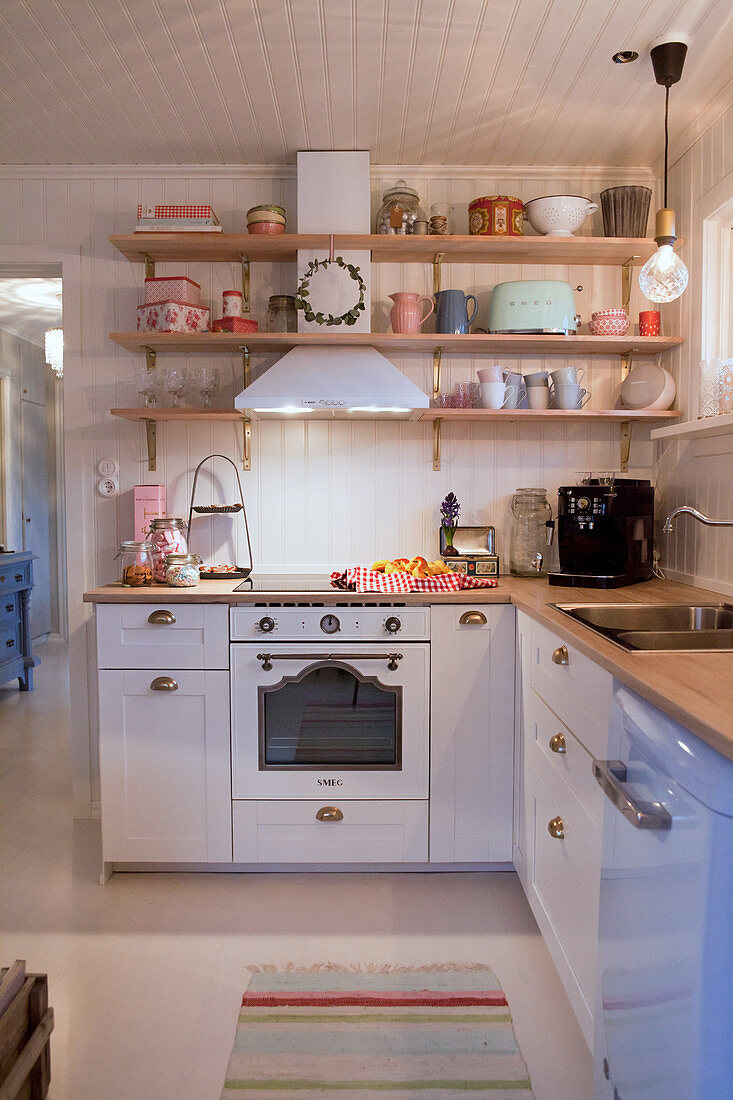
column 161, row 618
column 472, row 618
column 557, row 743
column 556, row 828
column 561, row 656
column 164, row 683
column 329, row 813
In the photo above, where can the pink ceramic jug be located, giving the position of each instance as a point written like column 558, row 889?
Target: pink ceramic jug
column 405, row 313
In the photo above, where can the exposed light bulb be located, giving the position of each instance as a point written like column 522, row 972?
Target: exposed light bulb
column 663, row 277
column 55, row 350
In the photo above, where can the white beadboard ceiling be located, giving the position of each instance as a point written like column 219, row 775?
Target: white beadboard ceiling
column 474, row 82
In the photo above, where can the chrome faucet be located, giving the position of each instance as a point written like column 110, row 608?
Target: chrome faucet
column 687, row 510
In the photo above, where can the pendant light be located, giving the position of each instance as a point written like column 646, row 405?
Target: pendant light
column 664, row 277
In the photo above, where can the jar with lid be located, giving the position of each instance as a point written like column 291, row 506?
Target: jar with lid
column 531, row 533
column 136, row 563
column 399, row 210
column 182, row 570
column 168, row 536
column 281, row 314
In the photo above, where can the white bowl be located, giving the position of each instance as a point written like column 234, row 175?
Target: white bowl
column 648, row 387
column 559, row 215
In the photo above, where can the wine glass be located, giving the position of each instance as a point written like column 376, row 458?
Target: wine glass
column 176, row 383
column 147, row 385
column 207, row 378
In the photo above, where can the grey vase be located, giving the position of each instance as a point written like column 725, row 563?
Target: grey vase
column 625, row 211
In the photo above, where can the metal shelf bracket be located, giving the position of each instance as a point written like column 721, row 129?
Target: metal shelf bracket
column 245, row 283
column 245, row 363
column 149, row 265
column 151, row 438
column 627, row 269
column 437, row 358
column 627, row 359
column 436, row 442
column 246, row 443
column 436, row 271
column 625, row 444
column 150, row 358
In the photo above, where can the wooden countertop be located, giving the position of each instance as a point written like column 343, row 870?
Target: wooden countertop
column 696, row 689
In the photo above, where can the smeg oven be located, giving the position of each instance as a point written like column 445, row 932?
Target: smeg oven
column 330, row 701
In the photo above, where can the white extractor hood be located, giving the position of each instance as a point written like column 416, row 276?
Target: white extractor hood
column 333, row 383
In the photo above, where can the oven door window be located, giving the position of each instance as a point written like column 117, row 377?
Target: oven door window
column 330, row 716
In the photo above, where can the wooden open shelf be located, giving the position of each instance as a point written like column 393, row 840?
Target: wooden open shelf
column 707, row 428
column 473, row 344
column 533, row 416
column 146, row 413
column 283, row 248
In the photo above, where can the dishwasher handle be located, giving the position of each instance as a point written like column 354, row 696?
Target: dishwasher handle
column 611, row 776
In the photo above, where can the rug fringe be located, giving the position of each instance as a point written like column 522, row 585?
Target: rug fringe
column 365, row 968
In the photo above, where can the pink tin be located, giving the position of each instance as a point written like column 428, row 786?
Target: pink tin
column 172, row 288
column 172, row 317
column 231, row 303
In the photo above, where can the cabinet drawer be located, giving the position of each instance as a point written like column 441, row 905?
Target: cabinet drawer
column 379, row 831
column 197, row 636
column 551, row 745
column 578, row 691
column 9, row 641
column 565, row 878
column 13, row 577
column 8, row 609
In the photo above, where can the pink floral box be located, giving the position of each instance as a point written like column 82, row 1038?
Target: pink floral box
column 172, row 288
column 172, row 317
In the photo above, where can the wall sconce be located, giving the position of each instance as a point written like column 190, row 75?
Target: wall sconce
column 55, row 350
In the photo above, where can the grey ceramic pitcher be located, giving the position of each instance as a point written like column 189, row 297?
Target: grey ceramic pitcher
column 451, row 311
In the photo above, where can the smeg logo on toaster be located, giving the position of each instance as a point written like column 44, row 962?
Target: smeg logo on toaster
column 330, row 782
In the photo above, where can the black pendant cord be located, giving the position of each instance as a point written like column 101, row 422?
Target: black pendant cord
column 666, row 138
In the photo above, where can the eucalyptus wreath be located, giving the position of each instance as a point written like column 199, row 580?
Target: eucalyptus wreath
column 301, row 301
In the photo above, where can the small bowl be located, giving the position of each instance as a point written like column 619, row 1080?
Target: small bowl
column 609, row 322
column 265, row 227
column 265, row 216
column 558, row 215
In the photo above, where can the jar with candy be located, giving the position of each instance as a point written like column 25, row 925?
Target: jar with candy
column 136, row 563
column 400, row 209
column 182, row 570
column 168, row 536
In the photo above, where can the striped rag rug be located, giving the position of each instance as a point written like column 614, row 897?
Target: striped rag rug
column 434, row 1031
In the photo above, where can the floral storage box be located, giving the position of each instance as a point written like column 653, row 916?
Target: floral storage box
column 172, row 317
column 172, row 288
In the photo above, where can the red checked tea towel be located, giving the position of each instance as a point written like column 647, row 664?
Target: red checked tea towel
column 362, row 579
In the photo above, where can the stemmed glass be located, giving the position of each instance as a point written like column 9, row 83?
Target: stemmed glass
column 176, row 383
column 147, row 385
column 207, row 379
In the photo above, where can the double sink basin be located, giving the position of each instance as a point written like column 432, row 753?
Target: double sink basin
column 659, row 627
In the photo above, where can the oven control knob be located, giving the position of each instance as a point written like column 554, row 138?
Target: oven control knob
column 392, row 624
column 330, row 624
column 266, row 624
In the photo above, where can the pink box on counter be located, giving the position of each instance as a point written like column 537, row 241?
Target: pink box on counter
column 149, row 504
column 172, row 288
column 172, row 317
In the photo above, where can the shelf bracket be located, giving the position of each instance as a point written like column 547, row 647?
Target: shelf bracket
column 246, row 443
column 437, row 358
column 149, row 358
column 625, row 445
column 627, row 358
column 627, row 269
column 245, row 284
column 151, row 437
column 149, row 265
column 245, row 363
column 436, row 442
column 436, row 271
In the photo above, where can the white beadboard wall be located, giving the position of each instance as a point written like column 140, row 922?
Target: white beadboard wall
column 319, row 495
column 697, row 472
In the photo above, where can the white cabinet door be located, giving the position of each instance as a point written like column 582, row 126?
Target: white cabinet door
column 164, row 766
column 471, row 733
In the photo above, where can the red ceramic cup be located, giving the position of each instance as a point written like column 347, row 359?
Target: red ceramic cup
column 650, row 322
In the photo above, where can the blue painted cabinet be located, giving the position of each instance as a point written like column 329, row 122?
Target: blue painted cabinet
column 16, row 582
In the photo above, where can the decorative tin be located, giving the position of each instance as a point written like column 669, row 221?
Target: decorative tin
column 231, row 303
column 496, row 216
column 474, row 551
column 234, row 324
column 172, row 288
column 172, row 317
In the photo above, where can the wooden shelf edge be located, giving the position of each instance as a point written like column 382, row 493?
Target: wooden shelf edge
column 697, row 429
column 179, row 414
column 532, row 415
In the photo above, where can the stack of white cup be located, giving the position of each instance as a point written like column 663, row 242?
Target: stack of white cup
column 500, row 388
column 566, row 389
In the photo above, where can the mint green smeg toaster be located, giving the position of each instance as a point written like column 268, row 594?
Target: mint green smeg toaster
column 533, row 306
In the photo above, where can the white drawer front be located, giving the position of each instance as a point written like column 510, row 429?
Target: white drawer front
column 198, row 636
column 579, row 691
column 380, row 831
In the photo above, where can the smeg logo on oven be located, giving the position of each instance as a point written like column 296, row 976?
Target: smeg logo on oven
column 330, row 782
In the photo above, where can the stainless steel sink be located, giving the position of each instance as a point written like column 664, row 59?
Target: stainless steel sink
column 658, row 627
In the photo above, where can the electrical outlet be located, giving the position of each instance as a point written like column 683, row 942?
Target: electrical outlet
column 108, row 467
column 108, row 486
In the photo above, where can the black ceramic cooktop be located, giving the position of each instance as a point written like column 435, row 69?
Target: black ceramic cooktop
column 286, row 582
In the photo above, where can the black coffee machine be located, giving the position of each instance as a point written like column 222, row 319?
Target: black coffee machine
column 605, row 531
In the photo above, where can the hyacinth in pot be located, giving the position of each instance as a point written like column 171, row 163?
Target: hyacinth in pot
column 449, row 512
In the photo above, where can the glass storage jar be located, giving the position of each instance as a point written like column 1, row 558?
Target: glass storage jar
column 168, row 536
column 182, row 570
column 281, row 314
column 531, row 533
column 136, row 563
column 400, row 208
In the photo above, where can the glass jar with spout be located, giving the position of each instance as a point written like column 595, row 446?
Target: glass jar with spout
column 531, row 533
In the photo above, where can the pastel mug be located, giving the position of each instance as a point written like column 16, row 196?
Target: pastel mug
column 490, row 374
column 497, row 395
column 515, row 380
column 536, row 379
column 567, row 376
column 451, row 311
column 538, row 397
column 571, row 396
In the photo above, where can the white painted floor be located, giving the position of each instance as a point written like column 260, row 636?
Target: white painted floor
column 145, row 974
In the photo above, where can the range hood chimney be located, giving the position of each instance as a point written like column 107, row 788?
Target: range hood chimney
column 342, row 382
